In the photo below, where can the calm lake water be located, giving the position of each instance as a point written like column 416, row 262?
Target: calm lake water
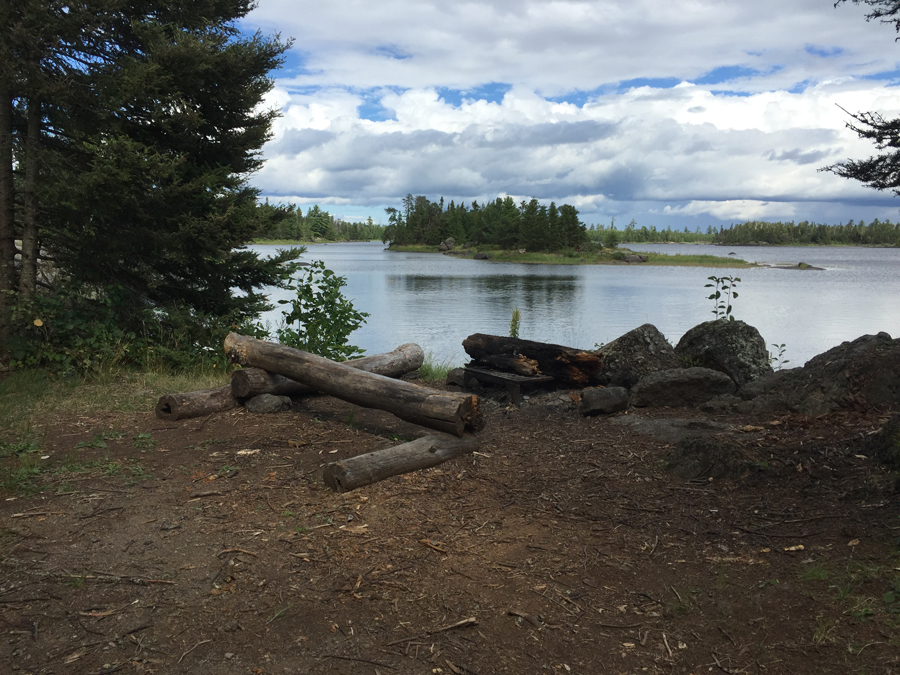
column 436, row 300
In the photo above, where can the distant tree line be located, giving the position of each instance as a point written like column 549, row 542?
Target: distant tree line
column 293, row 225
column 633, row 234
column 876, row 233
column 528, row 225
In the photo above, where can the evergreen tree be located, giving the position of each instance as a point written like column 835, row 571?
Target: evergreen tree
column 144, row 116
column 881, row 172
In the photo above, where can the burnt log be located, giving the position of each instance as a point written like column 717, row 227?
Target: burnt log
column 249, row 382
column 443, row 411
column 518, row 364
column 174, row 407
column 371, row 467
column 569, row 366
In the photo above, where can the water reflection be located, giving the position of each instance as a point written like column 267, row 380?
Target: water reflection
column 438, row 301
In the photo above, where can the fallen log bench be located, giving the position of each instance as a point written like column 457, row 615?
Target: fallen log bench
column 248, row 382
column 371, row 467
column 448, row 412
column 513, row 383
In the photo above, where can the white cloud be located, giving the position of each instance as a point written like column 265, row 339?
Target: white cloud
column 666, row 152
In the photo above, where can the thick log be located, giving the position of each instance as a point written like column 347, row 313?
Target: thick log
column 349, row 474
column 174, row 407
column 570, row 366
column 448, row 412
column 518, row 364
column 249, row 382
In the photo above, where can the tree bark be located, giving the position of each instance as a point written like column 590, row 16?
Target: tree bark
column 518, row 364
column 249, row 382
column 569, row 366
column 349, row 474
column 7, row 213
column 175, row 407
column 447, row 412
column 28, row 271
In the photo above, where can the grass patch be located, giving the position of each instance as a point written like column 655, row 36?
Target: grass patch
column 604, row 257
column 433, row 370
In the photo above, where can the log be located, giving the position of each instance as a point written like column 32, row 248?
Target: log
column 444, row 411
column 174, row 407
column 569, row 366
column 349, row 474
column 518, row 364
column 249, row 382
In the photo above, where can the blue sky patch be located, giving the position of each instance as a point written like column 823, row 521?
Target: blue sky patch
column 889, row 75
column 492, row 92
column 726, row 74
column 824, row 52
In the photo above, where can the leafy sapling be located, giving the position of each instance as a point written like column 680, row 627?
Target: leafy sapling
column 776, row 357
column 723, row 296
column 324, row 317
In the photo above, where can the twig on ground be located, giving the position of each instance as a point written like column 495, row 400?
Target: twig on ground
column 202, row 642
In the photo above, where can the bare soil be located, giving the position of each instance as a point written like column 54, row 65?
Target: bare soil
column 563, row 546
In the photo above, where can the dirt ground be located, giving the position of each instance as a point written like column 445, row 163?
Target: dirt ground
column 211, row 546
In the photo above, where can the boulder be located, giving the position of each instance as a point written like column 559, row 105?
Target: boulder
column 603, row 400
column 447, row 244
column 731, row 347
column 268, row 404
column 636, row 353
column 483, row 256
column 680, row 387
column 862, row 374
column 636, row 258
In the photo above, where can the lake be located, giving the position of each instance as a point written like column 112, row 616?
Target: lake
column 437, row 301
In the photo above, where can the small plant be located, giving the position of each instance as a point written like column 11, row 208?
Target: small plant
column 723, row 296
column 514, row 323
column 324, row 317
column 99, row 441
column 776, row 357
column 144, row 441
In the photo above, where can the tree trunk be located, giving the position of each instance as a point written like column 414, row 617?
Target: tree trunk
column 349, row 474
column 174, row 407
column 451, row 413
column 569, row 366
column 249, row 382
column 28, row 272
column 7, row 213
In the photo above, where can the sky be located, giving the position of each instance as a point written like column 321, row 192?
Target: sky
column 675, row 113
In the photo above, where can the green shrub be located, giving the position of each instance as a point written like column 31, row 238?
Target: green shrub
column 324, row 317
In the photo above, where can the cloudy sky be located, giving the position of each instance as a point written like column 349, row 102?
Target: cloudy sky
column 673, row 113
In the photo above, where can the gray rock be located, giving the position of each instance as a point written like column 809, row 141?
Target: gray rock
column 603, row 400
column 636, row 258
column 268, row 404
column 680, row 387
column 766, row 383
column 670, row 430
column 636, row 353
column 731, row 347
column 708, row 457
column 483, row 256
column 456, row 376
column 720, row 404
column 447, row 244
